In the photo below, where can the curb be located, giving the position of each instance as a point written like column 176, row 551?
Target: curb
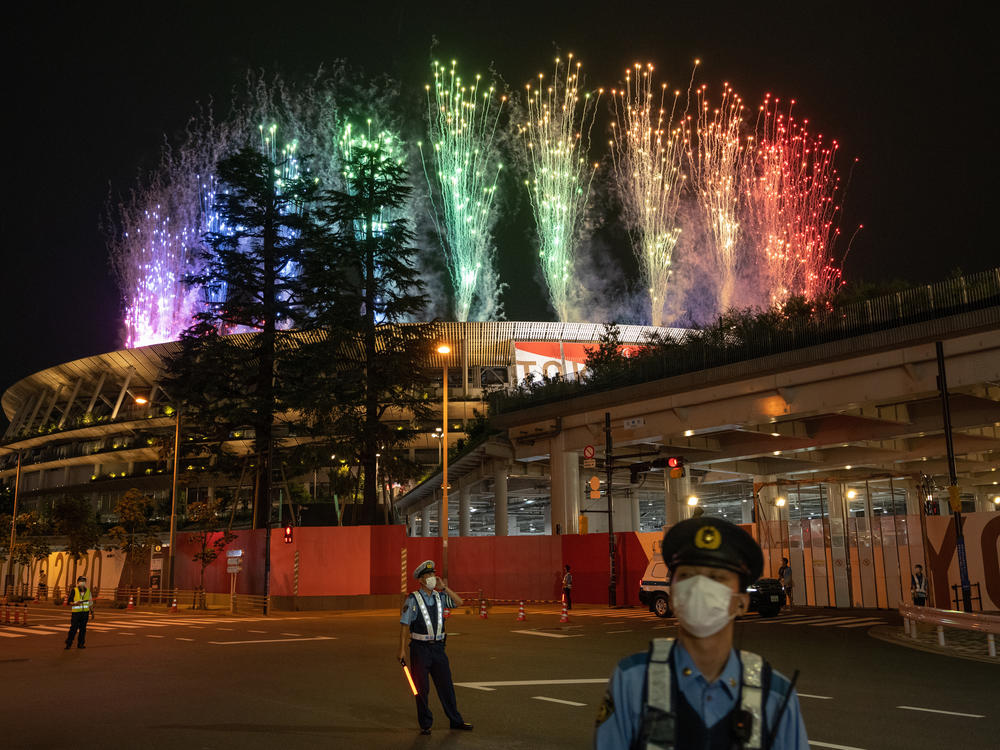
column 894, row 635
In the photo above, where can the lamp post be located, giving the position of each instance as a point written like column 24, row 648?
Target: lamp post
column 173, row 499
column 444, row 350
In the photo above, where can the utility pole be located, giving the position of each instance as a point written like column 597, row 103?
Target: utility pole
column 609, row 466
column 954, row 498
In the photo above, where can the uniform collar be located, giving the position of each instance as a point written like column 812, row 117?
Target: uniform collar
column 427, row 597
column 688, row 673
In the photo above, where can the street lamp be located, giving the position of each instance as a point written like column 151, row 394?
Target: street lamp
column 444, row 350
column 692, row 501
column 780, row 502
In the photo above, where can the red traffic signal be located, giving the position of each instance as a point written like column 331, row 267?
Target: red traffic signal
column 288, row 534
column 676, row 466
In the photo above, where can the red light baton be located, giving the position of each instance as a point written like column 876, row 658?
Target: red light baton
column 409, row 677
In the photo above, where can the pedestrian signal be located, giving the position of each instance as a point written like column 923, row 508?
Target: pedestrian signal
column 288, row 534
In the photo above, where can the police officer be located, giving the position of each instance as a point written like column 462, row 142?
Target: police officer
column 422, row 624
column 697, row 691
column 83, row 609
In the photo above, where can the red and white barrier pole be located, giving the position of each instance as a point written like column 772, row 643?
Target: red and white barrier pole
column 521, row 617
column 565, row 614
column 482, row 609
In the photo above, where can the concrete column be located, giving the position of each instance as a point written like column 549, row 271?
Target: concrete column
column 634, row 512
column 564, row 473
column 557, row 484
column 464, row 507
column 913, row 498
column 571, row 501
column 547, row 520
column 834, row 500
column 425, row 521
column 500, row 499
column 675, row 495
column 746, row 511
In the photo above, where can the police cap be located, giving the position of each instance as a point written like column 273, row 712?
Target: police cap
column 427, row 566
column 715, row 543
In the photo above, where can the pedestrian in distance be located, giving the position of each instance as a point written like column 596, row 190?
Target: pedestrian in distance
column 83, row 610
column 918, row 586
column 785, row 576
column 422, row 625
column 698, row 691
column 567, row 587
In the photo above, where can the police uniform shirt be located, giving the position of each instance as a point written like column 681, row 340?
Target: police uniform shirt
column 621, row 713
column 411, row 612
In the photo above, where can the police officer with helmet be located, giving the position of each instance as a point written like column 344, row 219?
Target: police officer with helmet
column 422, row 624
column 697, row 690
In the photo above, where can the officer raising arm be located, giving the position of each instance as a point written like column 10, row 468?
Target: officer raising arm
column 698, row 691
column 422, row 625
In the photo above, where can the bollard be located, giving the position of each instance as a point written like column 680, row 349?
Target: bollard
column 173, row 607
column 913, row 629
column 521, row 617
column 991, row 644
column 6, row 614
column 17, row 615
column 482, row 609
column 906, row 625
column 131, row 602
column 24, row 615
column 940, row 629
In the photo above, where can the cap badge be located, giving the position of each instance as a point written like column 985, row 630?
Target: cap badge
column 707, row 537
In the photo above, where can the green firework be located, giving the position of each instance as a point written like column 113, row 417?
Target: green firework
column 462, row 167
column 555, row 138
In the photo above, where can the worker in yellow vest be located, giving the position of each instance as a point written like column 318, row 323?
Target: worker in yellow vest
column 83, row 609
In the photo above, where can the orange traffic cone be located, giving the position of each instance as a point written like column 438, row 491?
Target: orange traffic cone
column 173, row 607
column 131, row 602
column 521, row 617
column 24, row 615
column 482, row 609
column 66, row 600
column 17, row 615
column 565, row 614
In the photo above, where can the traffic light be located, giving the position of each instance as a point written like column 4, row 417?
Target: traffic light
column 288, row 534
column 676, row 466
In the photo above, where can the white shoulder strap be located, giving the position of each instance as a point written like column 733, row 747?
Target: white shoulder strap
column 658, row 686
column 752, row 695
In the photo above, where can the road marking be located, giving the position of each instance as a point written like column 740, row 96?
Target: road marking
column 156, row 636
column 865, row 624
column 293, row 635
column 256, row 631
column 938, row 711
column 185, row 639
column 126, row 634
column 619, row 631
column 547, row 635
column 835, row 747
column 224, row 629
column 843, row 621
column 492, row 686
column 9, row 635
column 817, row 697
column 556, row 700
column 273, row 640
column 25, row 631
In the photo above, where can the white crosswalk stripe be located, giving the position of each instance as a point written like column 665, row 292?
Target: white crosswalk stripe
column 128, row 622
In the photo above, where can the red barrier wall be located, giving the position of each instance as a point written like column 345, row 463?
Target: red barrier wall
column 352, row 560
column 250, row 580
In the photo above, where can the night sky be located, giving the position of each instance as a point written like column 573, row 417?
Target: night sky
column 92, row 91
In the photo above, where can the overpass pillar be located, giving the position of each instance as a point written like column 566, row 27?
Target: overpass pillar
column 500, row 499
column 635, row 511
column 425, row 521
column 675, row 495
column 913, row 498
column 464, row 508
column 564, row 488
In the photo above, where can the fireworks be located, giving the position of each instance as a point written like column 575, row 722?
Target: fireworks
column 555, row 139
column 462, row 129
column 718, row 160
column 648, row 153
column 792, row 204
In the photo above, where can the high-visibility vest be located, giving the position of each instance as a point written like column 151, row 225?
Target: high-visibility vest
column 81, row 602
column 659, row 716
column 432, row 633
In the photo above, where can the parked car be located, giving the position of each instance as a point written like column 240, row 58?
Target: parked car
column 767, row 597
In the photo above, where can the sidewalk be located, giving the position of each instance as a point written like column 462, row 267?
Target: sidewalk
column 964, row 644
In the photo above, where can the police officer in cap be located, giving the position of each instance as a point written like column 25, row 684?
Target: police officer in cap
column 422, row 624
column 697, row 691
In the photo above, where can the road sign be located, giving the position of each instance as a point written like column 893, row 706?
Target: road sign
column 234, row 564
column 588, row 451
column 595, row 488
column 590, row 463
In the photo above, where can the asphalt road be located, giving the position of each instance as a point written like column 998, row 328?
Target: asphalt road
column 310, row 680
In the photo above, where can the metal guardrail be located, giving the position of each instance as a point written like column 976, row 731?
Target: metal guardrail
column 246, row 604
column 942, row 618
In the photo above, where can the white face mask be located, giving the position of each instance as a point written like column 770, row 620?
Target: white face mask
column 430, row 582
column 701, row 605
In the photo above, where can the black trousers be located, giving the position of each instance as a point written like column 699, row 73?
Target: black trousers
column 428, row 659
column 78, row 622
column 568, row 596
